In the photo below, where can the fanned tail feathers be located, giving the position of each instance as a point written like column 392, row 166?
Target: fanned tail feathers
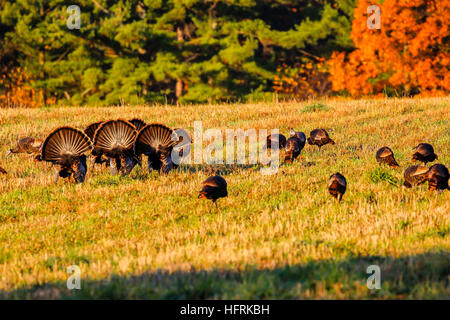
column 138, row 123
column 114, row 137
column 65, row 143
column 154, row 139
column 90, row 129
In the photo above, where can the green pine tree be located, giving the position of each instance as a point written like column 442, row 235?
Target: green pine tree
column 188, row 51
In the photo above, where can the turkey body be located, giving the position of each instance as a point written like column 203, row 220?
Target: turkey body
column 415, row 175
column 386, row 156
column 294, row 146
column 27, row 145
column 72, row 167
column 292, row 150
column 438, row 177
column 319, row 137
column 213, row 188
column 337, row 185
column 301, row 137
column 275, row 139
column 424, row 152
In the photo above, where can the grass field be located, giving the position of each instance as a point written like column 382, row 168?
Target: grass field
column 278, row 237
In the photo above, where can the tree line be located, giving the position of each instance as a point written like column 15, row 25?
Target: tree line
column 195, row 51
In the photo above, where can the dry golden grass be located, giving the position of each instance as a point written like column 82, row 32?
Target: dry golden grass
column 279, row 236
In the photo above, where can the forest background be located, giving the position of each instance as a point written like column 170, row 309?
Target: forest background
column 212, row 51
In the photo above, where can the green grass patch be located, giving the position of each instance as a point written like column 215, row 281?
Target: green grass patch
column 383, row 175
column 316, row 107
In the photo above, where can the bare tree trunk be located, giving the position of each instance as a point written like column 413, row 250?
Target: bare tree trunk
column 179, row 89
column 42, row 58
column 179, row 83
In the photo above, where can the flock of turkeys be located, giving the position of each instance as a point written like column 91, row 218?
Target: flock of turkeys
column 437, row 175
column 120, row 145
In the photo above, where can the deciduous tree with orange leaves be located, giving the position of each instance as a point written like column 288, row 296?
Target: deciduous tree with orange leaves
column 409, row 54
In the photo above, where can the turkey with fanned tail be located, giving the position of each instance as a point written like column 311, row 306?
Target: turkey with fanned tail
column 98, row 157
column 156, row 141
column 115, row 140
column 138, row 123
column 65, row 147
column 90, row 129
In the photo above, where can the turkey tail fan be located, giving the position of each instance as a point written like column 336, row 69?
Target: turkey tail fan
column 138, row 123
column 63, row 143
column 90, row 129
column 90, row 132
column 154, row 139
column 114, row 137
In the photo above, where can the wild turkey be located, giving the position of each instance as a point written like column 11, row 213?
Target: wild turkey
column 115, row 140
column 65, row 147
column 27, row 145
column 385, row 155
column 301, row 137
column 3, row 171
column 90, row 129
column 438, row 177
column 319, row 137
column 90, row 132
column 156, row 142
column 213, row 188
column 183, row 143
column 275, row 138
column 415, row 175
column 337, row 185
column 138, row 123
column 294, row 146
column 424, row 152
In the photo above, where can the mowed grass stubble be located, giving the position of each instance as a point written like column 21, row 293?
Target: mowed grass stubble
column 276, row 236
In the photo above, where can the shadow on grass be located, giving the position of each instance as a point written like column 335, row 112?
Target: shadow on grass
column 223, row 169
column 424, row 276
column 142, row 172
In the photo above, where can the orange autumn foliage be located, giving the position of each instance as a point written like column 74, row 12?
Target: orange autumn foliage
column 18, row 93
column 410, row 53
